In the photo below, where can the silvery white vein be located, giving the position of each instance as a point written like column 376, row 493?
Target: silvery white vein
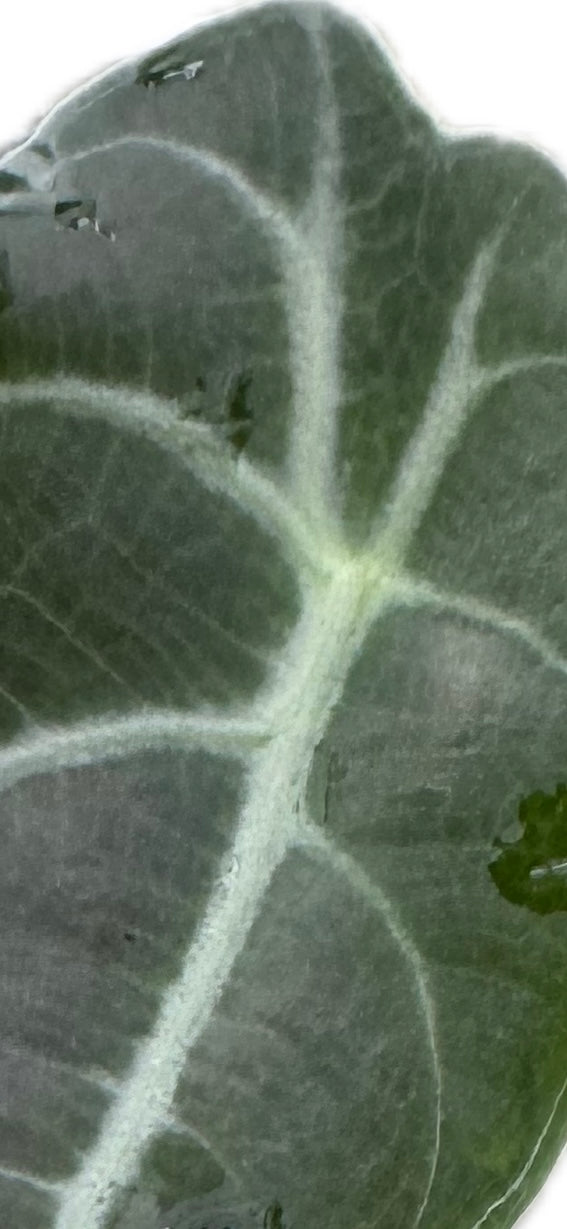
column 343, row 593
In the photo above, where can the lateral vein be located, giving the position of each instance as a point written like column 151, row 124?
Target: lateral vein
column 113, row 738
column 414, row 593
column 305, row 686
column 491, row 376
column 516, row 1184
column 197, row 445
column 264, row 206
column 315, row 304
column 86, row 650
column 313, row 839
column 37, row 1184
column 453, row 393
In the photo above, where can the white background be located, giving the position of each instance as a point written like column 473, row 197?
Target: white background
column 497, row 65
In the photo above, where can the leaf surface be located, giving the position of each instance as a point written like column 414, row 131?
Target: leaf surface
column 282, row 487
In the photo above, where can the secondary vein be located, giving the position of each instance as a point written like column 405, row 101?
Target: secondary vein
column 196, row 445
column 313, row 839
column 453, row 393
column 117, row 737
column 413, row 592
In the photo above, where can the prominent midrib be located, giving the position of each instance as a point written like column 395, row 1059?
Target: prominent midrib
column 307, row 684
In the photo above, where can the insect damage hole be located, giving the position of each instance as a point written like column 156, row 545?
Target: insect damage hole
column 78, row 214
column 168, row 68
column 239, row 415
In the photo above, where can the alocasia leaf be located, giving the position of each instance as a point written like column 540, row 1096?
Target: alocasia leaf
column 283, row 649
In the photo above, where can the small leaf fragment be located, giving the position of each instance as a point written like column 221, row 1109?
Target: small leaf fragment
column 532, row 871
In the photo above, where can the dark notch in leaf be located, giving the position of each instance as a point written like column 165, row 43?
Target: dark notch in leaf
column 336, row 772
column 77, row 214
column 6, row 290
column 10, row 182
column 72, row 212
column 238, row 413
column 28, row 169
column 532, row 871
column 274, row 1217
column 43, row 150
column 167, row 66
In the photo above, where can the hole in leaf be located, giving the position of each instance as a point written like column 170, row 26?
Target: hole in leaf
column 73, row 212
column 76, row 214
column 238, row 411
column 166, row 68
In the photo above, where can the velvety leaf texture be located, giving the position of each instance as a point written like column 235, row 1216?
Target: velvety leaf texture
column 283, row 649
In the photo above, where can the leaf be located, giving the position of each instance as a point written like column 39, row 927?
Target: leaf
column 283, row 379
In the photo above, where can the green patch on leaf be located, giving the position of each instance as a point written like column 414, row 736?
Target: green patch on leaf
column 533, row 870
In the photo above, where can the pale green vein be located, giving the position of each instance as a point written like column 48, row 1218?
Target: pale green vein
column 414, row 593
column 37, row 1184
column 303, row 693
column 197, row 445
column 491, row 376
column 516, row 1184
column 177, row 1127
column 452, row 396
column 13, row 701
column 169, row 1123
column 113, row 738
column 314, row 840
column 308, row 252
column 314, row 303
column 260, row 203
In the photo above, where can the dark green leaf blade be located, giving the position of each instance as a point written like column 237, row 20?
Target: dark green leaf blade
column 282, row 546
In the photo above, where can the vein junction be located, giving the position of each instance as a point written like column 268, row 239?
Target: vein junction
column 342, row 597
column 343, row 594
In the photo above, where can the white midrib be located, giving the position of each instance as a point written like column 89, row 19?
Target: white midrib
column 307, row 686
column 342, row 597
